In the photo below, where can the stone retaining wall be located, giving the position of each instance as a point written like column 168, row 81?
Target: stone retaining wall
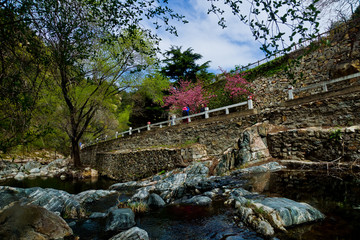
column 316, row 144
column 329, row 61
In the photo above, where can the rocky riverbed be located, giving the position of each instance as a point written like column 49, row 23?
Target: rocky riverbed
column 185, row 186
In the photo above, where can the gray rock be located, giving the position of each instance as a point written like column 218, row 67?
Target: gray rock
column 155, row 201
column 120, row 219
column 32, row 222
column 291, row 212
column 20, row 176
column 134, row 233
column 140, row 196
column 92, row 195
column 198, row 200
column 31, row 165
column 98, row 215
column 58, row 163
column 34, row 170
column 124, row 186
column 51, row 199
column 268, row 167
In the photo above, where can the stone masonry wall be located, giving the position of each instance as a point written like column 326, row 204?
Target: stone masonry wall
column 339, row 58
column 316, row 144
column 134, row 165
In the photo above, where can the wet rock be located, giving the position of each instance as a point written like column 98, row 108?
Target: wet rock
column 98, row 215
column 32, row 222
column 51, row 199
column 278, row 213
column 155, row 201
column 134, row 233
column 120, row 219
column 197, row 200
column 268, row 167
column 124, row 186
column 91, row 196
column 291, row 212
column 141, row 195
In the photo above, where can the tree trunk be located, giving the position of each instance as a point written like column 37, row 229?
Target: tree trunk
column 75, row 153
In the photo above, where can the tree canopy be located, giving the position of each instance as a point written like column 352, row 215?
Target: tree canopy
column 181, row 65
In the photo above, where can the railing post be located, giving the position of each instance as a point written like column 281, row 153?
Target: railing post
column 130, row 128
column 206, row 112
column 291, row 92
column 116, row 135
column 105, row 137
column 250, row 102
column 122, row 135
column 160, row 125
column 189, row 119
column 138, row 130
column 148, row 126
column 173, row 117
column 325, row 88
column 226, row 111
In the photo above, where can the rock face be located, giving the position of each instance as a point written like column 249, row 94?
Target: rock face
column 252, row 147
column 32, row 222
column 134, row 233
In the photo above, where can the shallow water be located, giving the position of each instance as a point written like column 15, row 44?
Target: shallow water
column 335, row 195
column 72, row 186
column 193, row 222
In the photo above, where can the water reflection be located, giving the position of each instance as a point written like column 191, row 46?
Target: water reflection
column 193, row 222
column 337, row 196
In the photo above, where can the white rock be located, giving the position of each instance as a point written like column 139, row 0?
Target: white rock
column 19, row 176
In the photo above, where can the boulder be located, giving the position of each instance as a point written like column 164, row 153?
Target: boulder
column 120, row 219
column 134, row 233
column 124, row 186
column 32, row 222
column 31, row 165
column 291, row 212
column 34, row 170
column 155, row 201
column 266, row 214
column 51, row 199
column 267, row 167
column 198, row 201
column 20, row 176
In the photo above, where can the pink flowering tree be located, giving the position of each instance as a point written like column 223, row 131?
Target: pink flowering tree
column 187, row 94
column 237, row 86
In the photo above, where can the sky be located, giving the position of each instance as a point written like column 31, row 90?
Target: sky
column 225, row 48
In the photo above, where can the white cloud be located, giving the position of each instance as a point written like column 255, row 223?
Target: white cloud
column 225, row 48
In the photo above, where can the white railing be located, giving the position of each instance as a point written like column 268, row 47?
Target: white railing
column 175, row 120
column 323, row 85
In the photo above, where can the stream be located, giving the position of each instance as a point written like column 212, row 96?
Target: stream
column 338, row 197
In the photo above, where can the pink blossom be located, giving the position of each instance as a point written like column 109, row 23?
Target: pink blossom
column 237, row 85
column 187, row 94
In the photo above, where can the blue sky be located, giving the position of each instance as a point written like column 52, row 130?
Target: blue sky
column 225, row 48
